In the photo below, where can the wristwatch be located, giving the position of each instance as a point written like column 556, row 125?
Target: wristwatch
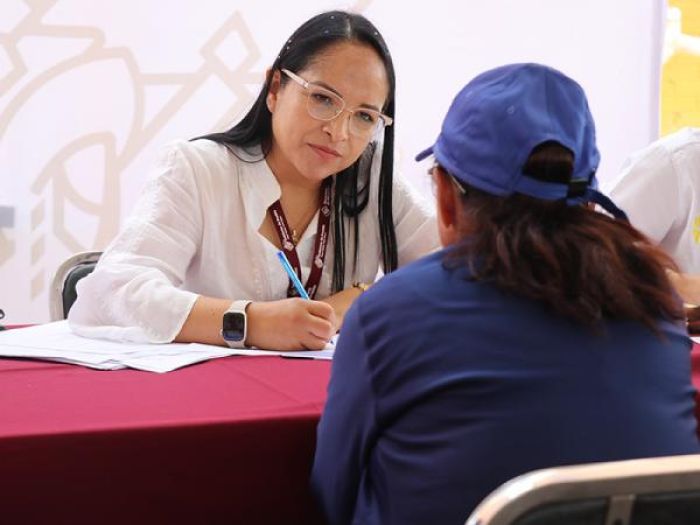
column 234, row 325
column 363, row 287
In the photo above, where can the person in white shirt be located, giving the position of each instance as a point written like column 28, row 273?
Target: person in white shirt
column 307, row 171
column 659, row 189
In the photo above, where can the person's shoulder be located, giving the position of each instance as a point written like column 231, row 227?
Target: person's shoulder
column 199, row 150
column 208, row 158
column 645, row 166
column 396, row 304
column 676, row 154
column 417, row 278
column 684, row 138
column 681, row 143
column 684, row 149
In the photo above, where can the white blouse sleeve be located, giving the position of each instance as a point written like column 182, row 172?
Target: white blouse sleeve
column 133, row 293
column 648, row 191
column 415, row 223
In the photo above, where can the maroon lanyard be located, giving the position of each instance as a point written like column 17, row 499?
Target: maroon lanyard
column 324, row 219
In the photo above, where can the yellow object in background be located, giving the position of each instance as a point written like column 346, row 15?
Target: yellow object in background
column 680, row 73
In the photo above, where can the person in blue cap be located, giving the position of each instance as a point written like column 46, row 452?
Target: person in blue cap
column 545, row 333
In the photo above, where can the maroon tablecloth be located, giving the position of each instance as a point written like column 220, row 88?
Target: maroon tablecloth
column 695, row 364
column 227, row 441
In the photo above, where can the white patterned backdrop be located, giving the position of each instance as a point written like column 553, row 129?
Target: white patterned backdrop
column 89, row 90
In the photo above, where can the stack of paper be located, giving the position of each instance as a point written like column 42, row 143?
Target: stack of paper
column 55, row 342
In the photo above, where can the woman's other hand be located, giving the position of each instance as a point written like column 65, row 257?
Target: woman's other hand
column 692, row 314
column 341, row 303
column 687, row 286
column 290, row 324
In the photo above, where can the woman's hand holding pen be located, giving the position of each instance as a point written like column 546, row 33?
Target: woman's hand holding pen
column 290, row 324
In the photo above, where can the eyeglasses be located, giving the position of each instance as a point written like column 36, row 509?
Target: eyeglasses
column 459, row 185
column 323, row 104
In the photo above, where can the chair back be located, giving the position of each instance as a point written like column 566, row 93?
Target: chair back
column 664, row 490
column 62, row 294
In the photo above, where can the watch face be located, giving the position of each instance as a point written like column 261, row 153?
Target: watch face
column 233, row 328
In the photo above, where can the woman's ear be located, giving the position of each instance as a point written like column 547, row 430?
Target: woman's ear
column 448, row 203
column 274, row 79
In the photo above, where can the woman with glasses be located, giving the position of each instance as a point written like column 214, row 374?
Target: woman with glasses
column 307, row 171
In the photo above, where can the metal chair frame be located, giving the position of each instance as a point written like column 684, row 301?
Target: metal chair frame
column 620, row 482
column 58, row 283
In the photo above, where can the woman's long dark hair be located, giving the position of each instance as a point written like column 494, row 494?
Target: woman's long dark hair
column 582, row 264
column 352, row 184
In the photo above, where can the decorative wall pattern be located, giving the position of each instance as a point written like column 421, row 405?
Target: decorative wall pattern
column 52, row 188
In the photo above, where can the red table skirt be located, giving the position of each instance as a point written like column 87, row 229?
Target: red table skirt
column 695, row 365
column 227, row 441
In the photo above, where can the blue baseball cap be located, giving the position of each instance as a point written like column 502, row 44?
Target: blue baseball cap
column 498, row 118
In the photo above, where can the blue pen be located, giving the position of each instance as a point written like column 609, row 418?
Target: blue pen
column 292, row 275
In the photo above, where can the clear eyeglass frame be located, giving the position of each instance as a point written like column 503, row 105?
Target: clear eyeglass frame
column 323, row 104
column 459, row 186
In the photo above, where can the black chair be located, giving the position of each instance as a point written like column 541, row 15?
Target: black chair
column 653, row 491
column 62, row 294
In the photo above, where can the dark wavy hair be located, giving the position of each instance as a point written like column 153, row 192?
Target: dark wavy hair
column 351, row 185
column 582, row 264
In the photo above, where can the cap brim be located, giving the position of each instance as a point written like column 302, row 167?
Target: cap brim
column 424, row 154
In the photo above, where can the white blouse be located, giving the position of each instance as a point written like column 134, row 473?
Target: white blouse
column 659, row 189
column 195, row 231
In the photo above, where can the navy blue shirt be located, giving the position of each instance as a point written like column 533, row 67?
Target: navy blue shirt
column 444, row 388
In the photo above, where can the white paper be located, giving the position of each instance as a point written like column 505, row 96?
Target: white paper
column 56, row 342
column 325, row 354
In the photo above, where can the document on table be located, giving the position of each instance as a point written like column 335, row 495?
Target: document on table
column 56, row 342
